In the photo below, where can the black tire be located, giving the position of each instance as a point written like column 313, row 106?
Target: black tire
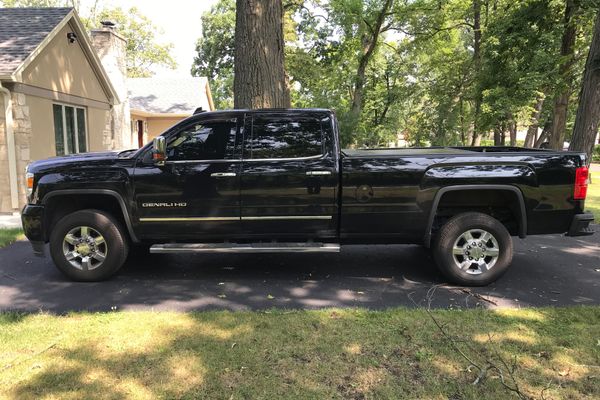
column 115, row 244
column 472, row 273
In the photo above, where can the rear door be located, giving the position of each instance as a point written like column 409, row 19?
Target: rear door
column 289, row 177
column 195, row 195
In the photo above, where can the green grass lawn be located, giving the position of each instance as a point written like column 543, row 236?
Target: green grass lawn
column 349, row 354
column 592, row 202
column 8, row 236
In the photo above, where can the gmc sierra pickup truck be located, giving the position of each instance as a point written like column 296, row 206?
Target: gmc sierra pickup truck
column 277, row 181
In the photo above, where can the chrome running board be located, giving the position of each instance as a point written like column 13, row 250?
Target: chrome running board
column 245, row 248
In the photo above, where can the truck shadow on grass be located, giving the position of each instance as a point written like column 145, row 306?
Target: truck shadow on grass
column 350, row 354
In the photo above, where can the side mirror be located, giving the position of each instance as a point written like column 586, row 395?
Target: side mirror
column 159, row 150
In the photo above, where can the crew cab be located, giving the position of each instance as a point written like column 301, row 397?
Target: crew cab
column 277, row 181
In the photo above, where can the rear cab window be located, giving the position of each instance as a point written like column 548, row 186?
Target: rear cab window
column 283, row 137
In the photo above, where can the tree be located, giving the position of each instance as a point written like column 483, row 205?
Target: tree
column 588, row 112
column 143, row 52
column 259, row 72
column 215, row 50
column 369, row 39
column 567, row 51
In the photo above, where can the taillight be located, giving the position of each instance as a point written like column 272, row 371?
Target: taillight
column 581, row 183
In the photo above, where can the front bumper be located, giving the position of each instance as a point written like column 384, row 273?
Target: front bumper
column 32, row 218
column 580, row 226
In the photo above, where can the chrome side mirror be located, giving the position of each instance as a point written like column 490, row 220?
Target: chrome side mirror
column 159, row 151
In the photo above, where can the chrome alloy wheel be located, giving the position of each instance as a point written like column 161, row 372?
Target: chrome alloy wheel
column 475, row 251
column 85, row 248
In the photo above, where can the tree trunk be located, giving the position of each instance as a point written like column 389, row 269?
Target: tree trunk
column 532, row 131
column 498, row 135
column 513, row 132
column 260, row 80
column 561, row 104
column 545, row 134
column 369, row 44
column 477, row 70
column 588, row 111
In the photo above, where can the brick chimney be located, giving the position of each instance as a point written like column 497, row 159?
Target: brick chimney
column 112, row 49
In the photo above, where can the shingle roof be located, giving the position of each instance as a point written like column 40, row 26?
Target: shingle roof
column 21, row 32
column 168, row 95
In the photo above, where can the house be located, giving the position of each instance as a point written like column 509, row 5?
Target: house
column 159, row 103
column 55, row 96
column 64, row 91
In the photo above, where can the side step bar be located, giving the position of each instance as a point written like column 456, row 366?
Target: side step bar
column 187, row 248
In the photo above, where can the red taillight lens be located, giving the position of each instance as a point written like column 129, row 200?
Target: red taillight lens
column 581, row 183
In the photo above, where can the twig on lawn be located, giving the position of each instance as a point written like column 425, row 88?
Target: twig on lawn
column 478, row 296
column 10, row 365
column 505, row 372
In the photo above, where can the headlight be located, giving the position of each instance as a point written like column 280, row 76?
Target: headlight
column 29, row 180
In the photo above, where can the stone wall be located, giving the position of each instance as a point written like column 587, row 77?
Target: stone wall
column 22, row 132
column 4, row 182
column 111, row 49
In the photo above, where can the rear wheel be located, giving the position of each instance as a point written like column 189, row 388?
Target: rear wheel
column 88, row 245
column 473, row 249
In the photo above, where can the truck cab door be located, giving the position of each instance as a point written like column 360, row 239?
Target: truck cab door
column 290, row 177
column 196, row 193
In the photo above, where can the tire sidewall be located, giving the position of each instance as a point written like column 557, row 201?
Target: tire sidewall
column 107, row 227
column 451, row 231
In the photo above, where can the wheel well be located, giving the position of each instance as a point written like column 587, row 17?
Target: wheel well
column 59, row 206
column 503, row 205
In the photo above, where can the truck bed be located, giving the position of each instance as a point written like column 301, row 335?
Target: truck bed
column 412, row 151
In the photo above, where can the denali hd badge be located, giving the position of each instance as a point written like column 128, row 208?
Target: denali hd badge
column 164, row 205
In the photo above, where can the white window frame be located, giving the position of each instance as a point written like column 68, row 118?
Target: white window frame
column 76, row 127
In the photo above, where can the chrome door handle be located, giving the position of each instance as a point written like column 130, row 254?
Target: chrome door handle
column 222, row 174
column 313, row 173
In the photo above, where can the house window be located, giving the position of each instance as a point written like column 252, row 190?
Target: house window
column 69, row 129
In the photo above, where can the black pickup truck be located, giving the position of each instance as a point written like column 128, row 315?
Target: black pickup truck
column 277, row 181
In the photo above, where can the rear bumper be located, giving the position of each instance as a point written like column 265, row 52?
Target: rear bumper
column 32, row 218
column 580, row 226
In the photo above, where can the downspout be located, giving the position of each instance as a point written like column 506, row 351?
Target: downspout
column 11, row 148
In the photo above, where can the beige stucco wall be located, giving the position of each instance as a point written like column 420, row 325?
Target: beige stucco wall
column 156, row 126
column 42, row 126
column 63, row 67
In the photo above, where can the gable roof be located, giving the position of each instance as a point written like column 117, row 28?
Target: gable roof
column 25, row 32
column 169, row 95
column 22, row 30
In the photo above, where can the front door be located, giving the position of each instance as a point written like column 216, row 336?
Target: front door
column 196, row 192
column 289, row 177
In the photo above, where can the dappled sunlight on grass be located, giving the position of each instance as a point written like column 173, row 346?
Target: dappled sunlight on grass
column 353, row 348
column 296, row 354
column 519, row 335
column 530, row 314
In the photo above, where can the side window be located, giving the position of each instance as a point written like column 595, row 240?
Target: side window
column 206, row 140
column 69, row 129
column 276, row 137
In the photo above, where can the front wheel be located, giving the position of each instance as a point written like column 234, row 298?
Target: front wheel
column 88, row 245
column 473, row 249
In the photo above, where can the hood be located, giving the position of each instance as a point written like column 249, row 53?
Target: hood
column 74, row 160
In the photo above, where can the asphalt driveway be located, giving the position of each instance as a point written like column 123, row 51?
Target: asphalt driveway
column 546, row 271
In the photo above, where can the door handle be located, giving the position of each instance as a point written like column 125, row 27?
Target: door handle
column 314, row 173
column 222, row 174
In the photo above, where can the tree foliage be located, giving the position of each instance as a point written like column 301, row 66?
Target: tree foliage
column 441, row 72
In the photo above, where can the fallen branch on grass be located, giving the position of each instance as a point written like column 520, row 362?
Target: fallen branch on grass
column 505, row 372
